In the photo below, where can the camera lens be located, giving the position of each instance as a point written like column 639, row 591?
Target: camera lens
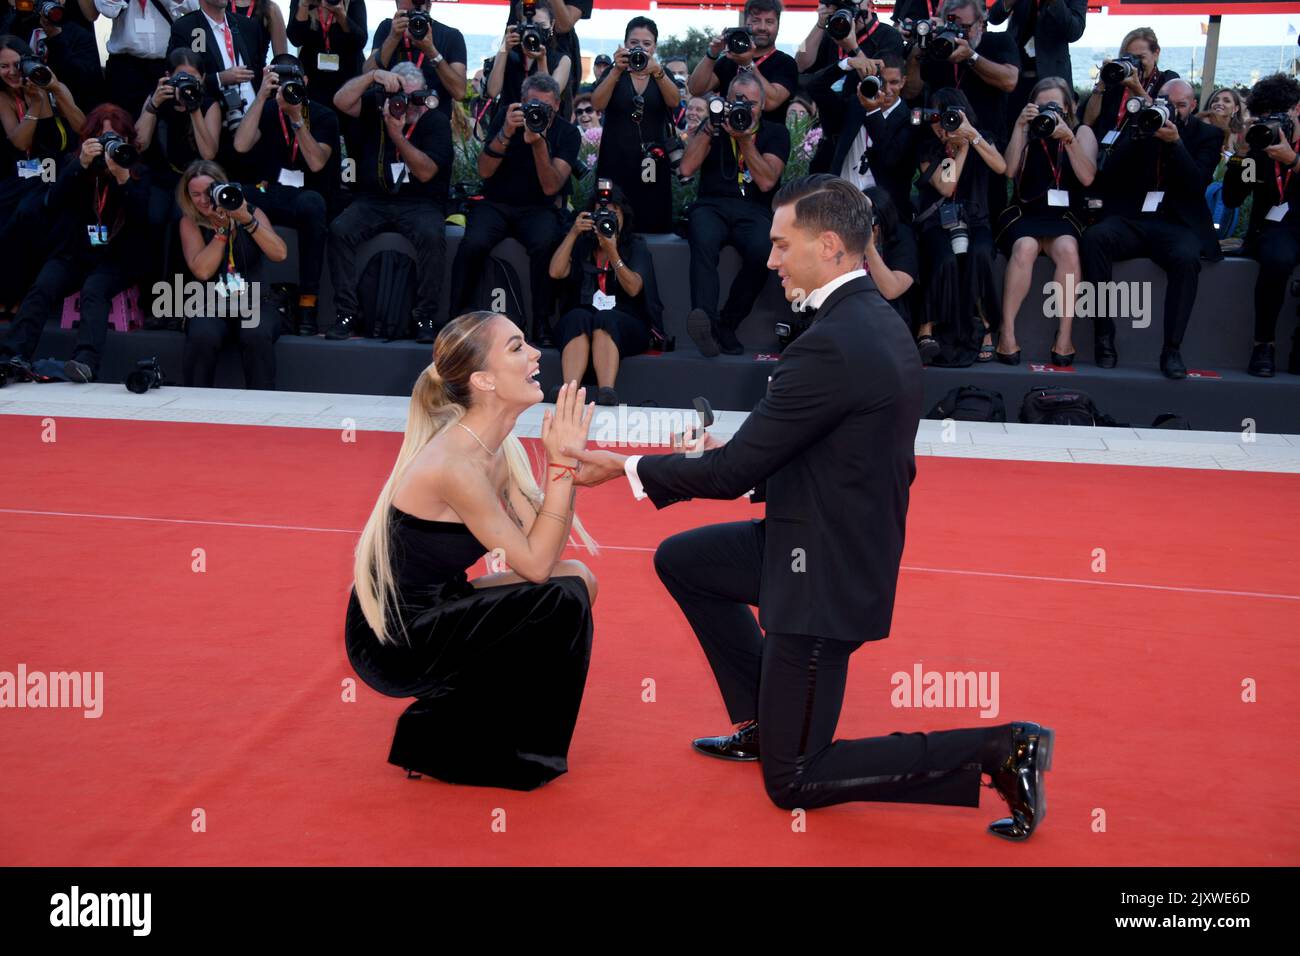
column 637, row 60
column 740, row 117
column 840, row 24
column 227, row 196
column 1043, row 125
column 869, row 87
column 739, row 41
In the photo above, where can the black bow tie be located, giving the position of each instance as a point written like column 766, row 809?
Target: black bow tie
column 809, row 312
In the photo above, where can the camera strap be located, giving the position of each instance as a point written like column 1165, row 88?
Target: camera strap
column 161, row 9
column 326, row 21
column 1284, row 185
column 934, row 206
column 291, row 137
column 406, row 41
column 1121, row 117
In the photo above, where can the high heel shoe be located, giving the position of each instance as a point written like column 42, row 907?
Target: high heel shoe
column 1012, row 358
column 1062, row 361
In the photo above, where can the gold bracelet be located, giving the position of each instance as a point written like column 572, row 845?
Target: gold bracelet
column 552, row 514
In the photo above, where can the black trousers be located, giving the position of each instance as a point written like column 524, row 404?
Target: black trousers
column 794, row 685
column 538, row 230
column 304, row 211
column 205, row 335
column 59, row 278
column 715, row 223
column 1172, row 247
column 422, row 222
column 1277, row 249
column 130, row 79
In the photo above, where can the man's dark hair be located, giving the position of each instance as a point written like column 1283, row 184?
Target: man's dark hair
column 826, row 203
column 1273, row 94
column 285, row 59
column 763, row 6
column 539, row 82
column 641, row 23
column 893, row 61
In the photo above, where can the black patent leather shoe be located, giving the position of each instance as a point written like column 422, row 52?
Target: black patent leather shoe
column 1062, row 361
column 1262, row 360
column 424, row 332
column 1104, row 353
column 742, row 745
column 1019, row 781
column 344, row 328
column 1171, row 364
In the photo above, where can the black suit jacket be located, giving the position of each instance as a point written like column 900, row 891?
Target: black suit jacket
column 891, row 155
column 1059, row 23
column 831, row 444
column 183, row 34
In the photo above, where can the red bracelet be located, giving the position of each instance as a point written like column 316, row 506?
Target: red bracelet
column 572, row 469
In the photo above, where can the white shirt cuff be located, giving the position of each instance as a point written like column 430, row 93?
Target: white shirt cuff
column 629, row 467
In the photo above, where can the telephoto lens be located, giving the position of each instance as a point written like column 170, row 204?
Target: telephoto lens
column 739, row 40
column 51, row 10
column 397, row 104
column 840, row 23
column 944, row 41
column 869, row 87
column 1043, row 125
column 537, row 115
column 1268, row 131
column 228, row 196
column 119, row 150
column 1150, row 119
column 1119, row 69
column 36, row 71
column 637, row 60
column 740, row 117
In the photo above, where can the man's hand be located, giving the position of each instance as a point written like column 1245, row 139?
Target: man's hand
column 1167, row 133
column 595, row 466
column 695, row 440
column 389, row 81
column 961, row 52
column 270, row 83
column 514, row 120
column 393, row 125
column 1281, row 153
column 234, row 76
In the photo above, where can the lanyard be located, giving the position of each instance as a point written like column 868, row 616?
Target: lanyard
column 1056, row 170
column 230, row 249
column 144, row 4
column 1284, row 185
column 1121, row 116
column 602, row 273
column 63, row 132
column 862, row 39
column 230, row 45
column 406, row 39
column 383, row 138
column 740, row 165
column 293, row 157
column 100, row 202
column 326, row 21
column 759, row 62
column 234, row 6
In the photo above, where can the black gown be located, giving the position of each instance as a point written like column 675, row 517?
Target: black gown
column 498, row 672
column 1029, row 214
column 621, row 154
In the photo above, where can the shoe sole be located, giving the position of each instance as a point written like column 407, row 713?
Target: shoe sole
column 700, row 330
column 1043, row 763
column 73, row 370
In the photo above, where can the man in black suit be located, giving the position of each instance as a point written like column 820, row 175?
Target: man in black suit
column 1153, row 195
column 231, row 70
column 830, row 449
column 1043, row 31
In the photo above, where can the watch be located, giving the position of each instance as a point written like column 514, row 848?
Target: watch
column 437, row 59
column 294, row 126
column 974, row 57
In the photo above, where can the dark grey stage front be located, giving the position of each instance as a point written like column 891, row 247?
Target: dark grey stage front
column 1218, row 341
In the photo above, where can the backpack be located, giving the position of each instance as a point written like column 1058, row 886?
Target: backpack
column 1058, row 405
column 386, row 294
column 1225, row 219
column 968, row 403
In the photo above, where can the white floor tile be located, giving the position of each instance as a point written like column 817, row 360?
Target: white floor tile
column 1079, row 438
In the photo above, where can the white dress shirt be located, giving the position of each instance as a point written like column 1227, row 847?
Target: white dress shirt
column 141, row 33
column 219, row 28
column 813, row 300
column 861, row 143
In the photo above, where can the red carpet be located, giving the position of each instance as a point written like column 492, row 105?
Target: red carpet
column 222, row 690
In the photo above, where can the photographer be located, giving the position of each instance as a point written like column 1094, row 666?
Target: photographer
column 331, row 38
column 226, row 248
column 610, row 302
column 17, row 17
column 403, row 177
column 264, row 24
column 230, row 68
column 751, row 48
column 516, row 61
column 524, row 167
column 413, row 36
column 740, row 168
column 292, row 141
column 96, row 215
column 182, row 119
column 876, row 144
column 1153, row 190
column 866, row 32
column 952, row 230
column 640, row 102
column 892, row 259
column 138, row 45
column 1137, row 74
column 1271, row 151
column 1043, row 31
column 564, row 22
column 70, row 50
column 1051, row 159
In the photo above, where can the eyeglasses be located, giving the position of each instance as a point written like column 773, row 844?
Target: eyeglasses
column 584, row 110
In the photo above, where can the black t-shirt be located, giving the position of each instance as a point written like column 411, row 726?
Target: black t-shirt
column 275, row 149
column 989, row 103
column 720, row 173
column 376, row 153
column 448, row 41
column 777, row 67
column 567, row 43
column 900, row 252
column 174, row 146
column 515, row 181
column 876, row 39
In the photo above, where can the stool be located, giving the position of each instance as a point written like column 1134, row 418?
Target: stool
column 123, row 315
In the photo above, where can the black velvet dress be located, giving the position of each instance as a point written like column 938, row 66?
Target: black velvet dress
column 498, row 672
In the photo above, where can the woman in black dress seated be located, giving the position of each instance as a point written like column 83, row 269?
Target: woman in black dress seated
column 610, row 307
column 891, row 259
column 956, row 243
column 1050, row 172
column 498, row 663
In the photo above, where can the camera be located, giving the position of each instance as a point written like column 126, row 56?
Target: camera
column 189, row 91
column 869, row 87
column 1120, row 69
column 952, row 217
column 1149, row 119
column 1269, row 130
column 1043, row 125
column 34, row 71
column 840, row 23
column 917, row 31
column 119, row 150
column 292, row 83
column 604, row 218
column 418, row 23
column 950, row 118
column 147, row 374
column 738, row 39
column 738, row 116
column 50, row 10
column 943, row 42
column 537, row 115
column 228, row 196
column 637, row 59
column 532, row 37
column 787, row 332
column 670, row 152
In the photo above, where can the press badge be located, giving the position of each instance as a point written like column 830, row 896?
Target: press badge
column 1278, row 213
column 1109, row 138
column 1058, row 197
column 602, row 301
column 327, row 62
column 1029, row 47
column 399, row 173
column 1152, row 202
column 98, row 235
column 27, row 168
column 144, row 27
column 291, row 177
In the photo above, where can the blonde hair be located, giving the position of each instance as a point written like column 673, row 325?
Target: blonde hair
column 441, row 397
column 1141, row 33
column 200, row 167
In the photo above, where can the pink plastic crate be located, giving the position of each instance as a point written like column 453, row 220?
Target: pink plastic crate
column 124, row 314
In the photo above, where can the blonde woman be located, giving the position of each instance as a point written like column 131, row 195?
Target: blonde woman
column 498, row 663
column 1105, row 110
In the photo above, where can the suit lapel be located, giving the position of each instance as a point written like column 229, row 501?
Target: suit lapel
column 860, row 284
